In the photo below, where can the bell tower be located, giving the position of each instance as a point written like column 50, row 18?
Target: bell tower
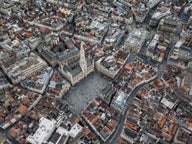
column 82, row 61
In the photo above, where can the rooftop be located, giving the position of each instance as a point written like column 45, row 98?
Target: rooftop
column 46, row 128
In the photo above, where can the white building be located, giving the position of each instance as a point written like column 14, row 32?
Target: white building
column 75, row 130
column 62, row 135
column 43, row 133
column 119, row 100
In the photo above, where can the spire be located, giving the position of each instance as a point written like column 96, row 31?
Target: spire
column 82, row 61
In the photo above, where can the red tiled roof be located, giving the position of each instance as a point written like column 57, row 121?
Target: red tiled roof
column 22, row 109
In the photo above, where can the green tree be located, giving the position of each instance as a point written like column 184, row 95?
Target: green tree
column 1, row 139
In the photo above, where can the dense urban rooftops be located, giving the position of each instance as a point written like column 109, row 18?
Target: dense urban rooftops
column 91, row 72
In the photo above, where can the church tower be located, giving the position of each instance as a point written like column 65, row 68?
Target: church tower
column 82, row 61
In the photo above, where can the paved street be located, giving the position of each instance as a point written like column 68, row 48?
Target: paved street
column 148, row 41
column 114, row 137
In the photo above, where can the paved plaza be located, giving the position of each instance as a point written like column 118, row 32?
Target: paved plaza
column 85, row 91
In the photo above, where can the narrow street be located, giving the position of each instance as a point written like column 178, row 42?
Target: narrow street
column 146, row 45
column 114, row 137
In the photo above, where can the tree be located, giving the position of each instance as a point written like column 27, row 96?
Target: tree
column 1, row 140
column 187, row 1
column 73, row 23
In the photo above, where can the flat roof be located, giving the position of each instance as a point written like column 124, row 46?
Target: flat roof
column 46, row 127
